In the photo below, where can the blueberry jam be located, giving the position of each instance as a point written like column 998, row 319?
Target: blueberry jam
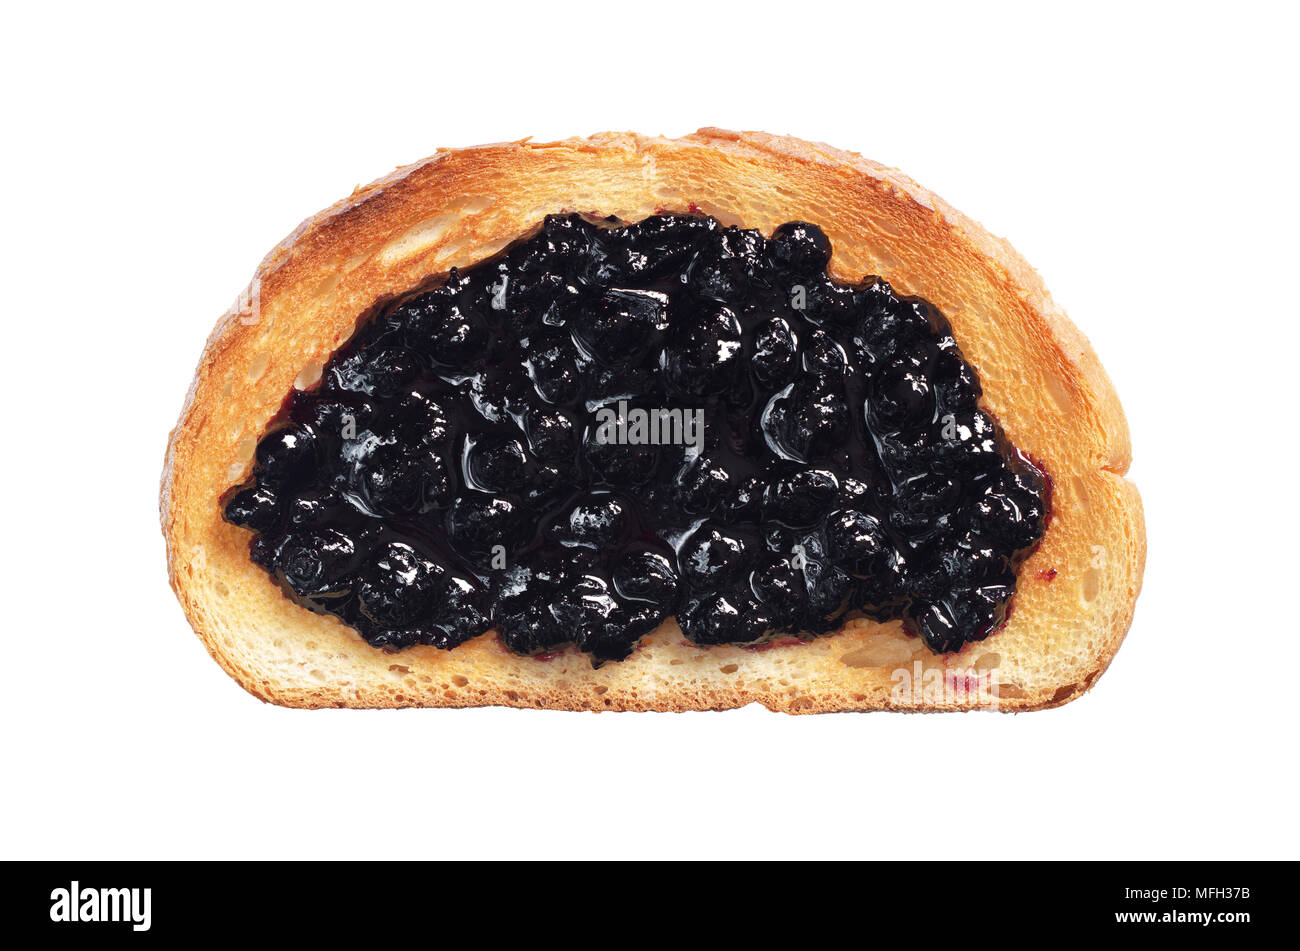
column 607, row 425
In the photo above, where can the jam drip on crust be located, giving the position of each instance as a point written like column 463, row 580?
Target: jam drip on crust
column 607, row 425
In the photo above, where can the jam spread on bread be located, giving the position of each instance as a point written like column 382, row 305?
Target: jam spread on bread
column 608, row 425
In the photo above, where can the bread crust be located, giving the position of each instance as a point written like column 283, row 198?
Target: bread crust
column 1042, row 380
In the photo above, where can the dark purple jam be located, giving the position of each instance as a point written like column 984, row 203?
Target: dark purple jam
column 608, row 425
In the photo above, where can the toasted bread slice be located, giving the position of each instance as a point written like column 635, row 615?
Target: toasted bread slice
column 1041, row 379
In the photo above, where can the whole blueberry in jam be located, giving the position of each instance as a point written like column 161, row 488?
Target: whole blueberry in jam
column 608, row 425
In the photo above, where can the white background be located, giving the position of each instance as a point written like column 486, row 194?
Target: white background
column 1143, row 157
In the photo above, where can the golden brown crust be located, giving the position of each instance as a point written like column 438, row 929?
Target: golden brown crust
column 1041, row 379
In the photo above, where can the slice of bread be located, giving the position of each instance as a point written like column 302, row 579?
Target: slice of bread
column 1076, row 592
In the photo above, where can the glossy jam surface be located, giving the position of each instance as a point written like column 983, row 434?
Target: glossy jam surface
column 609, row 425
